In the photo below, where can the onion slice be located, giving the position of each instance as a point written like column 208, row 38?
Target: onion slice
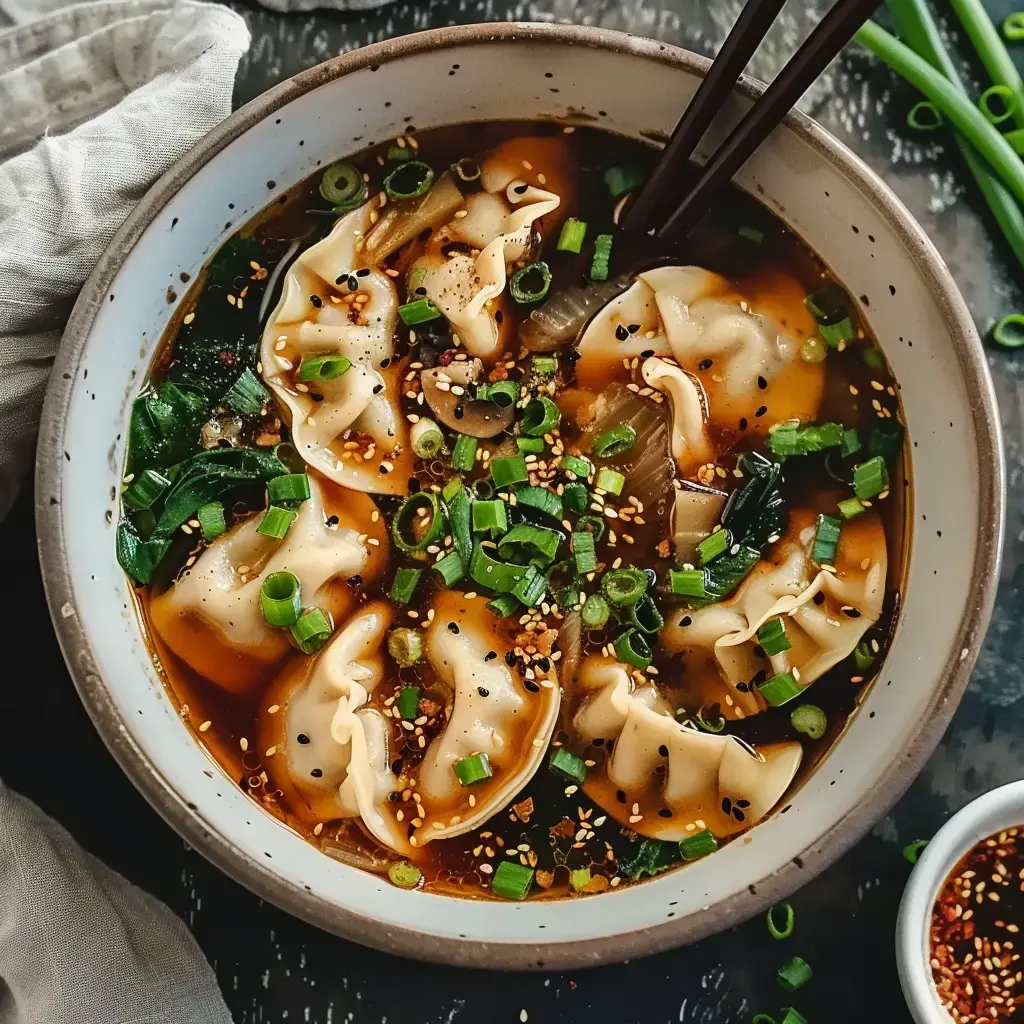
column 695, row 514
column 566, row 313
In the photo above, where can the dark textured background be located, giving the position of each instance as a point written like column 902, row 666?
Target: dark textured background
column 275, row 968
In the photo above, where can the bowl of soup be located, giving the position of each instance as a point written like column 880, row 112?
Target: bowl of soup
column 429, row 568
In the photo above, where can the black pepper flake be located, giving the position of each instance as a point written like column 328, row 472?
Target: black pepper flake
column 453, row 627
column 302, row 738
column 490, row 655
column 510, row 659
column 705, row 364
column 761, row 411
column 621, row 333
column 355, row 581
column 762, row 383
column 483, row 691
column 317, row 773
column 316, row 301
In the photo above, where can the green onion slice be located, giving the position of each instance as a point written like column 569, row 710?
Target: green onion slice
column 611, row 481
column 419, row 311
column 713, row 545
column 793, row 1017
column 1013, row 26
column 688, row 583
column 621, row 180
column 426, row 438
column 784, row 930
column 851, row 442
column 828, row 305
column 211, row 520
column 912, row 851
column 835, row 334
column 577, row 465
column 696, row 846
column 489, row 517
column 809, row 720
column 276, row 522
column 412, row 531
column 512, row 880
column 531, row 587
column 402, row 873
column 826, row 540
column 1007, row 103
column 616, row 441
column 544, row 366
column 531, row 445
column 863, row 656
column 632, row 648
column 646, row 617
column 409, row 180
column 794, row 974
column 850, row 507
column 595, row 612
column 886, row 439
column 409, row 702
column 508, row 471
column 772, row 637
column 599, row 268
column 540, row 498
column 313, row 630
column 540, row 417
column 474, row 768
column 780, row 689
column 406, row 647
column 565, row 763
column 579, row 879
column 1009, row 332
column 399, row 154
column 316, row 368
column 466, row 169
column 503, row 605
column 464, row 453
column 530, row 283
column 870, row 478
column 247, row 395
column 502, row 393
column 404, row 585
column 290, row 487
column 590, row 524
column 146, row 489
column 924, row 116
column 572, row 235
column 575, row 497
column 281, row 598
column 451, row 568
column 624, row 587
column 501, row 577
column 583, row 552
column 343, row 187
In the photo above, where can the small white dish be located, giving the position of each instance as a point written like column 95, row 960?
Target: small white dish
column 1001, row 808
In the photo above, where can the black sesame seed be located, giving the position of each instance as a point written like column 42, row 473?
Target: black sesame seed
column 483, row 691
column 761, row 411
column 355, row 581
column 621, row 333
column 726, row 805
column 819, row 598
column 742, row 803
column 499, row 316
column 378, row 388
column 341, row 279
column 543, row 663
column 685, row 621
column 738, row 814
column 385, row 363
column 490, row 655
column 633, row 328
column 647, row 353
column 743, row 688
column 316, row 300
column 664, row 812
column 520, row 189
column 394, row 796
column 851, row 613
column 353, row 284
column 572, row 355
column 663, row 750
column 333, row 520
column 510, row 659
column 453, row 627
column 743, row 423
column 459, row 411
column 531, row 686
column 705, row 364
column 620, row 796
column 365, row 272
column 302, row 738
column 762, row 383
column 317, row 773
column 384, row 469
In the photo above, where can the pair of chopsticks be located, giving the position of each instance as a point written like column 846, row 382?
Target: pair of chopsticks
column 836, row 29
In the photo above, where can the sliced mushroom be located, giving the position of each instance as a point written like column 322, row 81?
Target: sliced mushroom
column 697, row 511
column 459, row 411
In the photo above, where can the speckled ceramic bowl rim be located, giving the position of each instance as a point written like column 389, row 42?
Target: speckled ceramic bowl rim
column 220, row 849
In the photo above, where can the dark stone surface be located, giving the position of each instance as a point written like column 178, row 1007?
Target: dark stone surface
column 273, row 967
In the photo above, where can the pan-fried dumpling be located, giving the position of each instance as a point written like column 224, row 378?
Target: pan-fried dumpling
column 688, row 440
column 328, row 751
column 212, row 616
column 675, row 779
column 332, row 305
column 724, row 660
column 748, row 364
column 490, row 711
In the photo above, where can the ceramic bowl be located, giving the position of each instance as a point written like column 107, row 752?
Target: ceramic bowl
column 513, row 72
column 999, row 809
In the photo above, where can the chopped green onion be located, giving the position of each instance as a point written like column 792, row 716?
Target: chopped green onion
column 290, row 487
column 599, row 268
column 569, row 598
column 755, row 235
column 464, row 453
column 595, row 612
column 531, row 445
column 1008, row 103
column 408, row 702
column 419, row 311
column 211, row 520
column 459, row 505
column 573, row 233
column 610, row 481
column 312, row 630
column 696, row 846
column 924, row 116
column 540, row 498
column 408, row 517
column 531, row 587
column 762, row 1018
column 343, row 187
column 621, row 180
column 489, row 517
column 713, row 545
column 466, row 169
column 912, row 851
column 146, row 489
column 828, row 305
column 793, row 1017
column 575, row 497
column 530, row 283
column 404, row 585
column 688, row 583
column 281, row 598
column 451, row 568
column 616, row 441
column 565, row 763
column 483, row 489
column 544, row 366
column 512, row 880
column 624, row 587
column 527, row 543
column 714, row 726
column 632, row 648
column 645, row 616
column 315, row 368
column 579, row 879
column 501, row 577
column 791, row 438
column 835, row 334
column 870, row 478
column 1009, row 332
column 886, row 439
column 851, row 442
column 502, row 393
column 503, row 605
column 406, row 646
column 399, row 154
column 780, row 689
column 540, row 417
column 826, row 540
column 583, row 552
column 576, row 465
column 509, row 470
column 772, row 637
column 474, row 768
column 426, row 438
column 794, row 975
column 810, row 720
column 276, row 522
column 788, row 920
column 409, row 180
column 416, row 278
column 870, row 356
column 247, row 395
column 814, row 350
column 1013, row 26
column 850, row 507
column 591, row 524
column 402, row 873
column 864, row 656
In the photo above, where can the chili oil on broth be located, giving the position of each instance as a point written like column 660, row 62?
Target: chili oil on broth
column 555, row 826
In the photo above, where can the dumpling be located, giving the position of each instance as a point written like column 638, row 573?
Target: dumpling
column 674, row 779
column 748, row 363
column 324, row 748
column 350, row 428
column 688, row 439
column 491, row 711
column 212, row 616
column 724, row 660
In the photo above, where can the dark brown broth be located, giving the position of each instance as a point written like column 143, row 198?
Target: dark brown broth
column 453, row 863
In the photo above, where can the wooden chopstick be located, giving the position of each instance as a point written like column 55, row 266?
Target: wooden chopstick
column 820, row 48
column 754, row 21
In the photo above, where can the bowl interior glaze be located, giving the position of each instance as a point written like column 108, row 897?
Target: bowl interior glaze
column 500, row 72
